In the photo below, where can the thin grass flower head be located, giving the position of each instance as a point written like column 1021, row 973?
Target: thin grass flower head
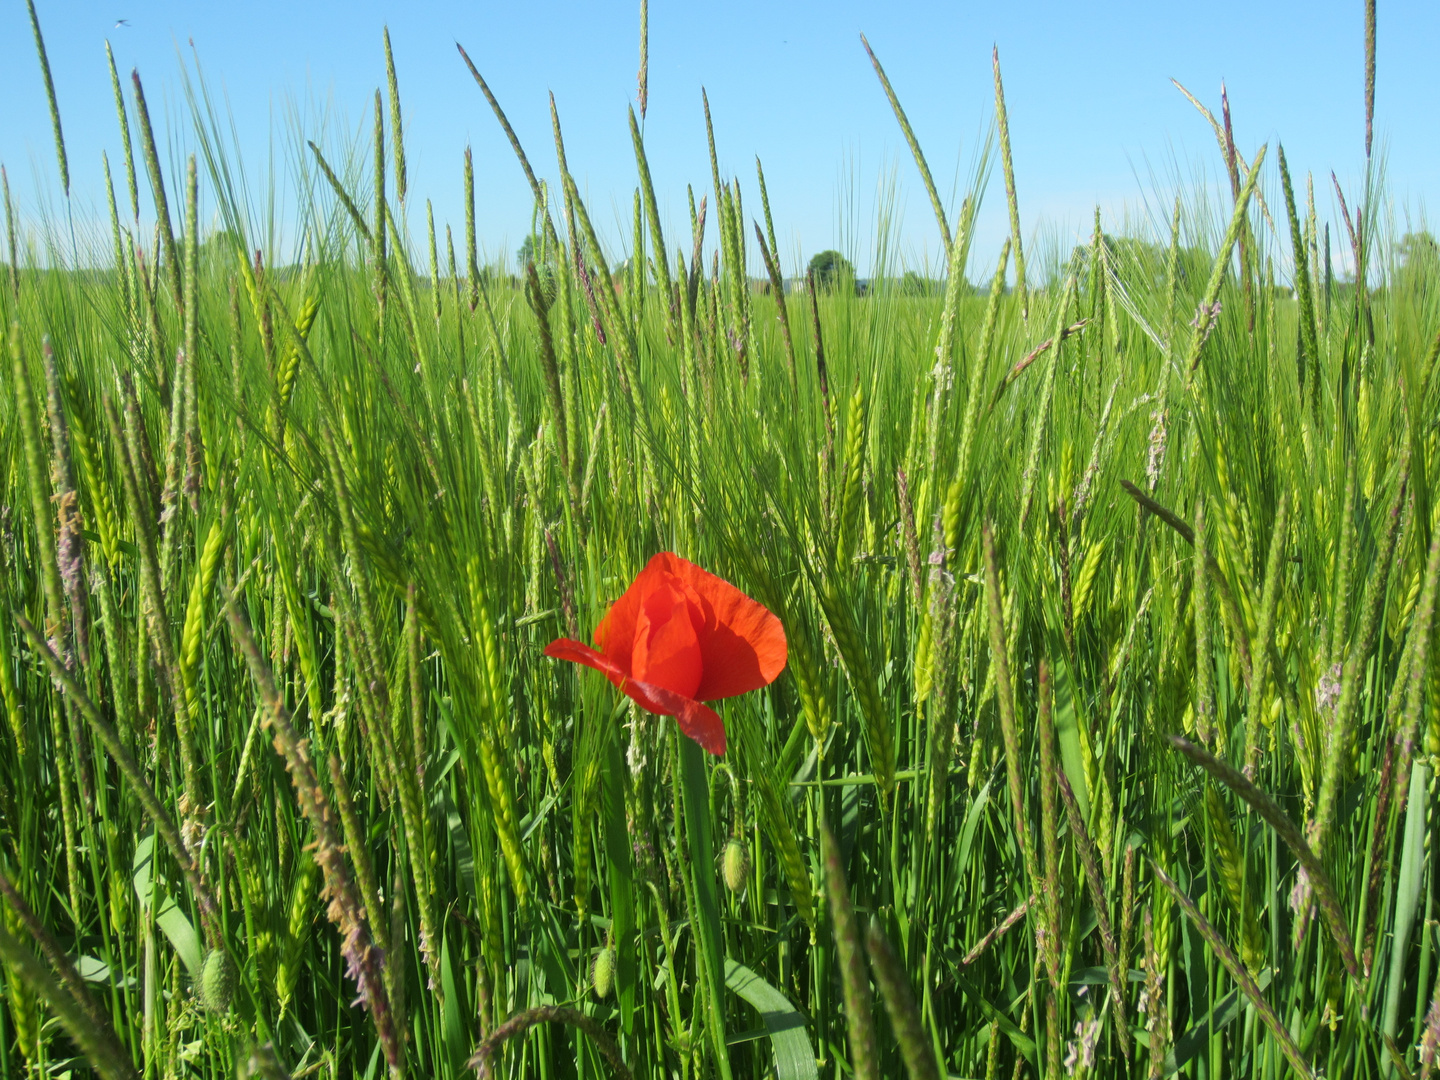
column 678, row 637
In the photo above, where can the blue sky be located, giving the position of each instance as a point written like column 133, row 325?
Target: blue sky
column 1093, row 116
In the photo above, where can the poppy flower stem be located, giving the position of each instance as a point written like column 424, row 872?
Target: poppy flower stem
column 705, row 916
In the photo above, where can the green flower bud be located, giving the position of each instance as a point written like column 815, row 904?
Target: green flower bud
column 603, row 974
column 217, row 981
column 736, row 865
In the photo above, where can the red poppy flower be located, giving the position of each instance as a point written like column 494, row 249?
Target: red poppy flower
column 681, row 636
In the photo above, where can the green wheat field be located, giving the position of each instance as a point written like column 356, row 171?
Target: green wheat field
column 1107, row 738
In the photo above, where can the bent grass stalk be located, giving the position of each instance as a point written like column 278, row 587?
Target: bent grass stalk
column 1290, row 834
column 1237, row 972
column 915, row 150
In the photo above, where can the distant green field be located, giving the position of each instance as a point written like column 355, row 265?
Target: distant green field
column 1107, row 589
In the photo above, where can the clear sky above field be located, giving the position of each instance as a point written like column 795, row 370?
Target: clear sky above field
column 1093, row 115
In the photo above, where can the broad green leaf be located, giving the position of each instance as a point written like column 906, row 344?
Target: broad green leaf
column 1408, row 890
column 794, row 1056
column 168, row 916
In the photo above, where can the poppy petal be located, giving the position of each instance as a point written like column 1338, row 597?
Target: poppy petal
column 742, row 644
column 579, row 653
column 615, row 635
column 697, row 720
column 666, row 651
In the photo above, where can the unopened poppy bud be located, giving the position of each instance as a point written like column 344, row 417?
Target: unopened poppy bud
column 736, row 865
column 217, row 981
column 602, row 977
